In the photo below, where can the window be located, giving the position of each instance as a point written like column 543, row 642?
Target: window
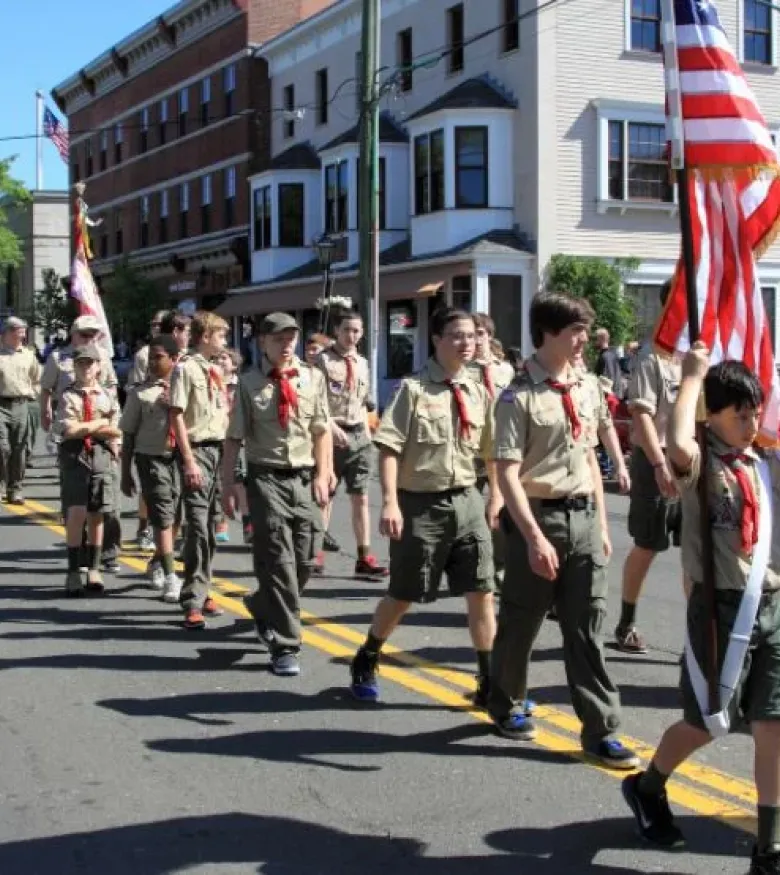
column 405, row 60
column 230, row 196
column 638, row 169
column 164, row 216
column 646, row 25
column 471, row 167
column 88, row 155
column 163, row 121
column 401, row 338
column 291, row 214
column 645, row 301
column 262, row 210
column 429, row 173
column 510, row 35
column 336, row 197
column 455, row 38
column 205, row 204
column 289, row 106
column 184, row 106
column 143, row 136
column 104, row 243
column 74, row 172
column 184, row 208
column 118, row 233
column 205, row 101
column 118, row 140
column 321, row 84
column 381, row 209
column 229, row 84
column 103, row 150
column 143, row 212
column 768, row 294
column 758, row 31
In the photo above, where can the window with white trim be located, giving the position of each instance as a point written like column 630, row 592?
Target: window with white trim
column 638, row 169
column 143, row 136
column 758, row 32
column 205, row 204
column 164, row 216
column 118, row 140
column 184, row 107
column 184, row 208
column 229, row 86
column 230, row 196
column 645, row 25
column 262, row 217
column 143, row 212
column 205, row 101
column 103, row 149
column 429, row 172
column 163, row 128
column 337, row 197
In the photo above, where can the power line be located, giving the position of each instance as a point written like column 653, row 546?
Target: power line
column 427, row 60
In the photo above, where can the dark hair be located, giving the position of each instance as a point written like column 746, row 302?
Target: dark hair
column 483, row 320
column 173, row 321
column 514, row 356
column 732, row 384
column 442, row 317
column 551, row 312
column 343, row 315
column 166, row 342
column 666, row 288
column 319, row 339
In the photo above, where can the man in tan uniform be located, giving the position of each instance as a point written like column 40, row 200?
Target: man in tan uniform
column 199, row 418
column 20, row 376
column 281, row 417
column 437, row 423
column 140, row 370
column 348, row 383
column 558, row 542
column 654, row 516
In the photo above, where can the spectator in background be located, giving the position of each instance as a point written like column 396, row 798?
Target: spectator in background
column 514, row 357
column 315, row 344
column 608, row 363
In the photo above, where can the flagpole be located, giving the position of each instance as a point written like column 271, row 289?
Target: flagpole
column 39, row 140
column 676, row 134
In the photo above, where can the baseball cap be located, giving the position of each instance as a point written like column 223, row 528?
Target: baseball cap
column 14, row 322
column 86, row 323
column 273, row 323
column 88, row 351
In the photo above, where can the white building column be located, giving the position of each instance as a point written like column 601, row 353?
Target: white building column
column 480, row 291
column 528, row 291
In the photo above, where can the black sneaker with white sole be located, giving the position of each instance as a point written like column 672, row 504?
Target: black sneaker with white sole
column 654, row 819
column 767, row 862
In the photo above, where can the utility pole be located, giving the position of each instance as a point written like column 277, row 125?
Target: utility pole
column 368, row 186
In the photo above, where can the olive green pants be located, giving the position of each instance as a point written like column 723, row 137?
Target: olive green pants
column 199, row 539
column 288, row 532
column 34, row 424
column 14, row 427
column 579, row 595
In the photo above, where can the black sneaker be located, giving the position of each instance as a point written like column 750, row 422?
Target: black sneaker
column 481, row 696
column 767, row 862
column 364, row 686
column 654, row 819
column 330, row 544
column 111, row 566
column 614, row 754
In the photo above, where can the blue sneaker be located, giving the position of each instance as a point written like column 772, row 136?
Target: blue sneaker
column 518, row 727
column 613, row 754
column 286, row 664
column 364, row 686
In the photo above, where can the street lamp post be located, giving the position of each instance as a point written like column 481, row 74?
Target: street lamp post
column 325, row 247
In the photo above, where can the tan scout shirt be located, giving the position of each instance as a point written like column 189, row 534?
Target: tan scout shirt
column 140, row 370
column 147, row 417
column 532, row 428
column 502, row 373
column 347, row 407
column 20, row 373
column 58, row 372
column 70, row 410
column 653, row 389
column 731, row 565
column 255, row 417
column 200, row 398
column 421, row 425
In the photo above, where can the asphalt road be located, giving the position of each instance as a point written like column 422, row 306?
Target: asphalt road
column 131, row 747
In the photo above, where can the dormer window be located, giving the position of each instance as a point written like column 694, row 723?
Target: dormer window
column 336, row 197
column 429, row 173
column 471, row 168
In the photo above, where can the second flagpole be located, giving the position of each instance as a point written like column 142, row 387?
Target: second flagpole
column 39, row 140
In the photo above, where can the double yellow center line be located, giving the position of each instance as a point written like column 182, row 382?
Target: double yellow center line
column 699, row 788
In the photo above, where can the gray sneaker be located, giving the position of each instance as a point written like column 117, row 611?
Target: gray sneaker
column 74, row 585
column 286, row 664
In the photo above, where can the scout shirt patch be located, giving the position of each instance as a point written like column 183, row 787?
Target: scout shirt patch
column 264, row 396
column 508, row 396
column 336, row 387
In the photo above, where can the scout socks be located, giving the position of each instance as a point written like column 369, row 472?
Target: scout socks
column 373, row 645
column 653, row 782
column 166, row 560
column 768, row 827
column 483, row 663
column 74, row 559
column 627, row 615
column 94, row 557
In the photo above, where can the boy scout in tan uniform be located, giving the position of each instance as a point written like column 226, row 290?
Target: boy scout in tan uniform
column 20, row 376
column 558, row 544
column 281, row 417
column 348, row 383
column 436, row 425
column 199, row 420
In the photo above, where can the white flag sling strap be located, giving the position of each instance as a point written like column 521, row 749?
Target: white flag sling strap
column 718, row 724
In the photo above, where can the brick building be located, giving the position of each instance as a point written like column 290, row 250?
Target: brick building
column 166, row 128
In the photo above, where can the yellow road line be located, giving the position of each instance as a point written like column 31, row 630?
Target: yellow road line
column 320, row 633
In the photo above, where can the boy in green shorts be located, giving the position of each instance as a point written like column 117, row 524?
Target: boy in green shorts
column 147, row 437
column 741, row 481
column 87, row 418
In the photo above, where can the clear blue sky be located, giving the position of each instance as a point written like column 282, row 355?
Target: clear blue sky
column 47, row 41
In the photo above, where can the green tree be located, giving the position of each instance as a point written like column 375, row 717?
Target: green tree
column 602, row 284
column 52, row 310
column 131, row 299
column 12, row 194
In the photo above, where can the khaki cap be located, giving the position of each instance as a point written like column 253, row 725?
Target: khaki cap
column 86, row 323
column 88, row 351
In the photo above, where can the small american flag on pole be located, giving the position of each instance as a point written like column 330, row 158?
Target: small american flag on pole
column 54, row 130
column 717, row 131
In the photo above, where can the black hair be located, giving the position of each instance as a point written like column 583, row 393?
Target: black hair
column 173, row 320
column 166, row 342
column 514, row 356
column 551, row 312
column 442, row 317
column 732, row 384
column 343, row 315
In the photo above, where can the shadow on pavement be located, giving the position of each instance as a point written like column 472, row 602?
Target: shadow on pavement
column 631, row 696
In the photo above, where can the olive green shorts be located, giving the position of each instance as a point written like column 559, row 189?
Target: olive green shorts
column 443, row 533
column 160, row 487
column 352, row 463
column 86, row 478
column 654, row 522
column 757, row 696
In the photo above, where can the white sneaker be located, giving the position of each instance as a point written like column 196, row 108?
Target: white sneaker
column 171, row 589
column 156, row 576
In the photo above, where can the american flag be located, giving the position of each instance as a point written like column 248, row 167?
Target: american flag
column 84, row 290
column 53, row 129
column 715, row 123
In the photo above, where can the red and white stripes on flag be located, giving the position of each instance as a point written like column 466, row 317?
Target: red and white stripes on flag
column 84, row 290
column 55, row 131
